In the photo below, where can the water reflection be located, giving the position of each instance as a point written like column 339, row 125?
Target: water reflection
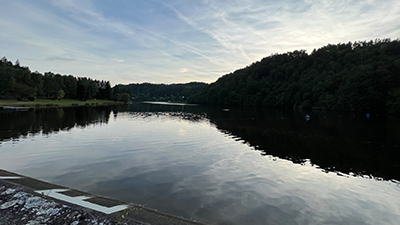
column 45, row 121
column 190, row 161
column 345, row 143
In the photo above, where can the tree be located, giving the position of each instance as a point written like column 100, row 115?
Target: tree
column 393, row 103
column 125, row 97
column 117, row 97
column 160, row 92
column 22, row 91
column 70, row 85
column 6, row 82
column 50, row 89
column 352, row 77
column 82, row 88
column 20, row 82
column 108, row 91
column 37, row 79
column 61, row 94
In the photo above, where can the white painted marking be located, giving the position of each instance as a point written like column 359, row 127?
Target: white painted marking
column 80, row 201
column 9, row 177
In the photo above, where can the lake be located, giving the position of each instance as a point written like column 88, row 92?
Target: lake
column 216, row 165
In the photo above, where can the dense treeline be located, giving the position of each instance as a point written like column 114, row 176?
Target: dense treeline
column 17, row 82
column 354, row 76
column 161, row 92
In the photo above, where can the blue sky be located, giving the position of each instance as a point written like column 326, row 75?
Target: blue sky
column 177, row 41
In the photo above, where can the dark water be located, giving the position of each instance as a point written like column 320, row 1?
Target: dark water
column 214, row 165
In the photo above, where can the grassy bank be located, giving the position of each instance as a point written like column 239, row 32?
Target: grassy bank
column 42, row 103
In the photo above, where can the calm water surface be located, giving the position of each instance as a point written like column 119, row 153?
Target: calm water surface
column 214, row 165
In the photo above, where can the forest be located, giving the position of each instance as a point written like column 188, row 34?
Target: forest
column 359, row 76
column 18, row 82
column 161, row 92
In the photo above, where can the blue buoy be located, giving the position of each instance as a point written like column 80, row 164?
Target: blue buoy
column 367, row 115
column 307, row 117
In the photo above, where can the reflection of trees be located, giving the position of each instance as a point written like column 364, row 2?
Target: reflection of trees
column 344, row 144
column 191, row 117
column 184, row 112
column 33, row 122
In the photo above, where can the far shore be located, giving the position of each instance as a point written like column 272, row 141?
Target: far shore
column 49, row 103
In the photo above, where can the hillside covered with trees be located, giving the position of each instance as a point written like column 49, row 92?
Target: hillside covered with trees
column 161, row 92
column 360, row 76
column 18, row 82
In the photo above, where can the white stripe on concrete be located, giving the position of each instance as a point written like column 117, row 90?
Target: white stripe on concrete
column 80, row 201
column 8, row 177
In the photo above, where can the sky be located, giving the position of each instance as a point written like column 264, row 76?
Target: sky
column 179, row 41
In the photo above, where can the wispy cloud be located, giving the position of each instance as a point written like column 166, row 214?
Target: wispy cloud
column 57, row 58
column 119, row 60
column 183, row 70
column 177, row 40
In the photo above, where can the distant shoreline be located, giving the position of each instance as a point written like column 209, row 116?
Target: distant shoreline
column 48, row 103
